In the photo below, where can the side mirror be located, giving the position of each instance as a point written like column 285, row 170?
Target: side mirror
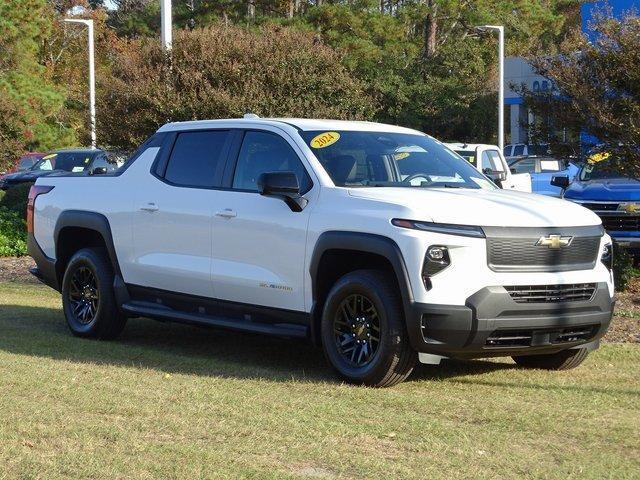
column 495, row 175
column 282, row 185
column 561, row 181
column 99, row 171
column 513, row 170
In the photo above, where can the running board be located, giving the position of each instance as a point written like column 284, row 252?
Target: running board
column 145, row 309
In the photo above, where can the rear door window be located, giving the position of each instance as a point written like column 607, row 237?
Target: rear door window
column 196, row 158
column 518, row 150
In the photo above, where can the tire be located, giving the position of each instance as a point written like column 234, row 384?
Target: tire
column 88, row 300
column 563, row 360
column 382, row 363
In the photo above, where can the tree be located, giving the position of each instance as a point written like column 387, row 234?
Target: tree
column 32, row 105
column 597, row 91
column 224, row 72
column 425, row 62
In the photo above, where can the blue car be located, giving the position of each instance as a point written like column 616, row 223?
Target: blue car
column 542, row 170
column 615, row 198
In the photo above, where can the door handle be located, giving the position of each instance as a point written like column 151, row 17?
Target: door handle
column 149, row 207
column 226, row 213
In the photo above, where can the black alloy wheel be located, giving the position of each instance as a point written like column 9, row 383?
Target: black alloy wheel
column 363, row 330
column 88, row 298
column 356, row 328
column 84, row 295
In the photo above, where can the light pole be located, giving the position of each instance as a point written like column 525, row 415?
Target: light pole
column 500, row 30
column 92, row 76
column 165, row 24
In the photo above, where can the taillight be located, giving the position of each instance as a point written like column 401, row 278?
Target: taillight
column 34, row 192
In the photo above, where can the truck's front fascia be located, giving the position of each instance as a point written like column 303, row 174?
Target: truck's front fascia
column 473, row 308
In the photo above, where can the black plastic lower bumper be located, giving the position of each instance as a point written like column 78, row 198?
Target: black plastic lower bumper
column 491, row 323
column 46, row 267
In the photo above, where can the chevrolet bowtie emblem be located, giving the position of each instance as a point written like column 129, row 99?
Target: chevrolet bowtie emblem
column 554, row 241
column 630, row 207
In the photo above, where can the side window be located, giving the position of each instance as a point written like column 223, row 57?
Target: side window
column 195, row 158
column 496, row 161
column 528, row 165
column 266, row 152
column 518, row 150
column 111, row 161
column 486, row 162
column 550, row 165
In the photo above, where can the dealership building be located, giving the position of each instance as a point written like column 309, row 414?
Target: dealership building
column 517, row 71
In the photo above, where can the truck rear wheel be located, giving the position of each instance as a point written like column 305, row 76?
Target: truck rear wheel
column 88, row 300
column 363, row 330
column 563, row 360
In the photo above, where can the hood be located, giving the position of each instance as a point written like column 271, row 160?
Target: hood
column 489, row 208
column 28, row 175
column 612, row 190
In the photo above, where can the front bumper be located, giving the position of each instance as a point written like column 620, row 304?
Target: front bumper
column 491, row 323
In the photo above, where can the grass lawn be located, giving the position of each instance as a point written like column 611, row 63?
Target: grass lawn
column 172, row 401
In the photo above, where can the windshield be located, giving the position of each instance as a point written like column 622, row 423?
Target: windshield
column 599, row 171
column 67, row 161
column 380, row 159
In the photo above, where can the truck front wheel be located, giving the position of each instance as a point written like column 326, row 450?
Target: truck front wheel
column 563, row 360
column 87, row 296
column 363, row 330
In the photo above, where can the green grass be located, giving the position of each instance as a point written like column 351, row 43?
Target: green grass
column 171, row 401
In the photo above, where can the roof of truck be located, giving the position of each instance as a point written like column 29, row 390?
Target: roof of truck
column 304, row 124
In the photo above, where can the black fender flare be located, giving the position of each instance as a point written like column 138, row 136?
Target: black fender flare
column 99, row 223
column 358, row 242
column 91, row 221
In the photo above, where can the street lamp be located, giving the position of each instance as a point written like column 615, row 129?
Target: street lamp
column 500, row 30
column 92, row 76
column 165, row 24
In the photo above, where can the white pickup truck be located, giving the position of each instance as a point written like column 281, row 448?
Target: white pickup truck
column 373, row 241
column 489, row 160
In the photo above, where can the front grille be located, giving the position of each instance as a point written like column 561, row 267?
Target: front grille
column 573, row 292
column 516, row 249
column 627, row 223
column 602, row 207
column 539, row 337
column 519, row 338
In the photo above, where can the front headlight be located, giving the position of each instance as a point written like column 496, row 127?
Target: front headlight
column 446, row 228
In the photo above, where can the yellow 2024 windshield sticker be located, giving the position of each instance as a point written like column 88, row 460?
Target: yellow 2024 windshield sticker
column 324, row 139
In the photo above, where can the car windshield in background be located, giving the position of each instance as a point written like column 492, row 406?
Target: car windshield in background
column 599, row 171
column 67, row 161
column 380, row 159
column 468, row 155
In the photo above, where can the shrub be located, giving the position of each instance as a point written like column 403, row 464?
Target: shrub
column 13, row 228
column 224, row 72
column 623, row 270
column 13, row 233
column 15, row 199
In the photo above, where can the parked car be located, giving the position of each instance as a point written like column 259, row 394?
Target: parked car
column 542, row 170
column 614, row 197
column 27, row 161
column 77, row 161
column 489, row 160
column 525, row 150
column 374, row 241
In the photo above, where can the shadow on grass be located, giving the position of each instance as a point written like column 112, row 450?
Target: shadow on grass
column 177, row 348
